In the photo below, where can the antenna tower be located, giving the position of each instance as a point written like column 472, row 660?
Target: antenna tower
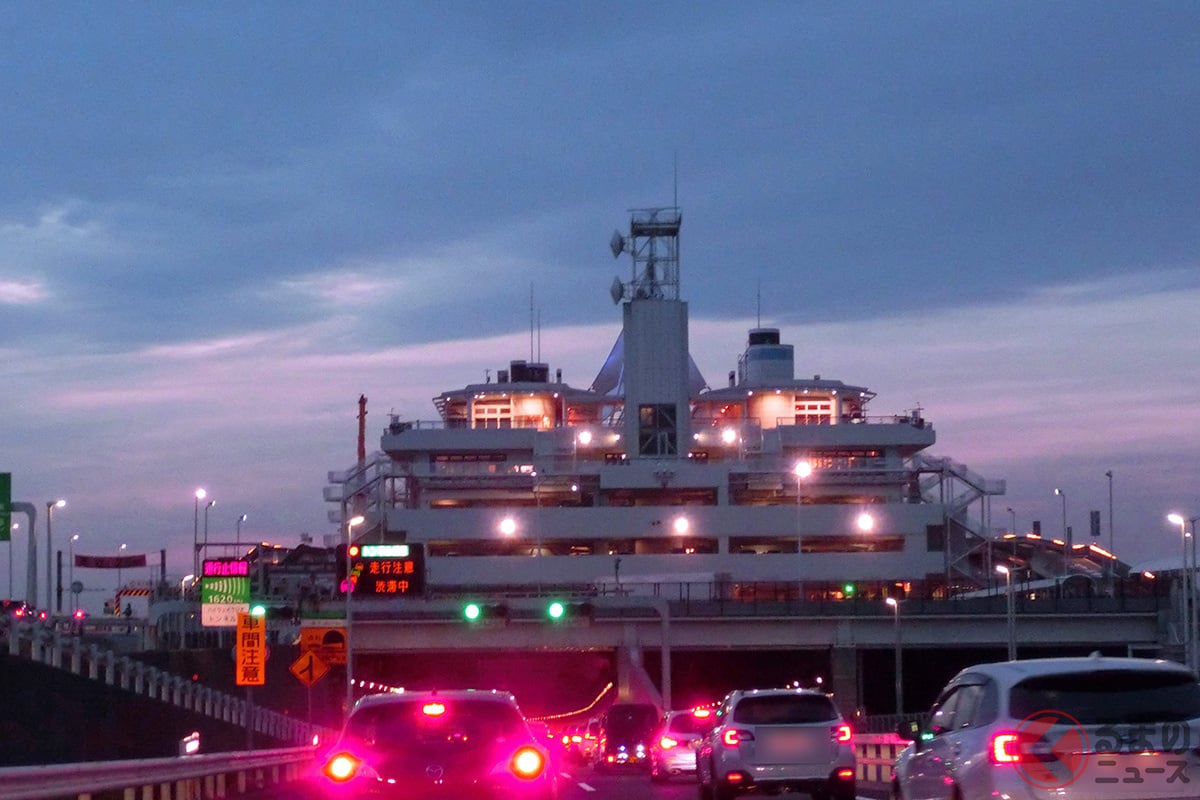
column 653, row 244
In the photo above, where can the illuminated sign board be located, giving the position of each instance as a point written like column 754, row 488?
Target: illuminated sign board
column 219, row 568
column 388, row 570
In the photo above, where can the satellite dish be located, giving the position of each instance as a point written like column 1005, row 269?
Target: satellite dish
column 617, row 290
column 616, row 244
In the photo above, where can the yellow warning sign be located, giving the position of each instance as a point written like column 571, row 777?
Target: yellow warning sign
column 329, row 643
column 309, row 668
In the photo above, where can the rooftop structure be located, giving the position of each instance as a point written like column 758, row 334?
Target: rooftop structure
column 649, row 475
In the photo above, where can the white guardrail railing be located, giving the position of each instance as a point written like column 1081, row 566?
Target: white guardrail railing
column 195, row 777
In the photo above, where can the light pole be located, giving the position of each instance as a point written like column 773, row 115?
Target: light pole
column 1112, row 543
column 1011, row 622
column 120, row 555
column 1012, row 516
column 237, row 542
column 15, row 526
column 1066, row 534
column 50, row 506
column 537, row 531
column 211, row 503
column 350, row 525
column 200, row 495
column 1187, row 582
column 71, row 571
column 895, row 605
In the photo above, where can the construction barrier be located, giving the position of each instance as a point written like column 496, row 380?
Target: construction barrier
column 875, row 755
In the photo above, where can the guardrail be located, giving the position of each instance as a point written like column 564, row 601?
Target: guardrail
column 196, row 777
column 49, row 646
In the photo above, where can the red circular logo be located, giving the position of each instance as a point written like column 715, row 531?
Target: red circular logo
column 1053, row 749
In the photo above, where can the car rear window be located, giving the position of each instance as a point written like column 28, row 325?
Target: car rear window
column 785, row 709
column 631, row 719
column 409, row 722
column 1109, row 696
column 689, row 723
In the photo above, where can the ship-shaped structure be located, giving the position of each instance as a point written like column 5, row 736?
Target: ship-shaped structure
column 650, row 480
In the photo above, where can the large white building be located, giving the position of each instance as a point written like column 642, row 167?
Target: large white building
column 770, row 484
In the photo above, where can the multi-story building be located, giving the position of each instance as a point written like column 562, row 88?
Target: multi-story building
column 651, row 476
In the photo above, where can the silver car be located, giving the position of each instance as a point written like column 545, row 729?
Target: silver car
column 1062, row 728
column 768, row 741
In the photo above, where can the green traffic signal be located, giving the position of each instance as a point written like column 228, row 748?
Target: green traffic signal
column 258, row 610
column 472, row 611
column 556, row 610
column 848, row 590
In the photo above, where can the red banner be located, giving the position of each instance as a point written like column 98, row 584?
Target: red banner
column 111, row 562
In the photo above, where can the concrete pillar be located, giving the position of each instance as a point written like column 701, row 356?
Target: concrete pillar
column 76, row 656
column 843, row 663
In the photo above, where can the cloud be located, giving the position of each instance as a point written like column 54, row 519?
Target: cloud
column 22, row 292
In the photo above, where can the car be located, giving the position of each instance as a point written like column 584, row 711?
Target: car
column 460, row 745
column 768, row 741
column 572, row 742
column 673, row 744
column 1096, row 727
column 626, row 730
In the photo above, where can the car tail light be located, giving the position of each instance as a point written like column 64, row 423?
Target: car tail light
column 666, row 743
column 576, row 738
column 702, row 713
column 527, row 763
column 1005, row 748
column 842, row 733
column 433, row 709
column 342, row 767
column 733, row 737
column 735, row 777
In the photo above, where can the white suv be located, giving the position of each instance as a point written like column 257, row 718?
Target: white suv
column 1059, row 728
column 768, row 741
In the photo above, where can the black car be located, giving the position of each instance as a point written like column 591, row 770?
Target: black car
column 626, row 733
column 458, row 745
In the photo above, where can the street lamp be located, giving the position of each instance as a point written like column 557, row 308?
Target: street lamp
column 1013, row 516
column 1112, row 547
column 895, row 605
column 211, row 503
column 120, row 551
column 50, row 506
column 1188, row 581
column 15, row 526
column 237, row 542
column 350, row 525
column 1011, row 622
column 865, row 522
column 71, row 571
column 803, row 471
column 200, row 495
column 1066, row 533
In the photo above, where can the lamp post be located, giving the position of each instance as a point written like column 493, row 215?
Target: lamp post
column 200, row 495
column 1187, row 583
column 1066, row 533
column 1112, row 545
column 895, row 605
column 1013, row 517
column 15, row 526
column 237, row 542
column 350, row 525
column 71, row 571
column 50, row 506
column 211, row 503
column 120, row 555
column 537, row 531
column 1011, row 622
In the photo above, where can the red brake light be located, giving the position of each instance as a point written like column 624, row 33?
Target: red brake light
column 732, row 737
column 702, row 713
column 527, row 763
column 79, row 613
column 1005, row 748
column 433, row 709
column 666, row 743
column 843, row 733
column 342, row 767
column 845, row 774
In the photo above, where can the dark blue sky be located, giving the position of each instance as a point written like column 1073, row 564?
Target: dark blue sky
column 222, row 222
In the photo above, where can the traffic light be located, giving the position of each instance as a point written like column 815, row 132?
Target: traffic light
column 475, row 612
column 848, row 590
column 566, row 611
